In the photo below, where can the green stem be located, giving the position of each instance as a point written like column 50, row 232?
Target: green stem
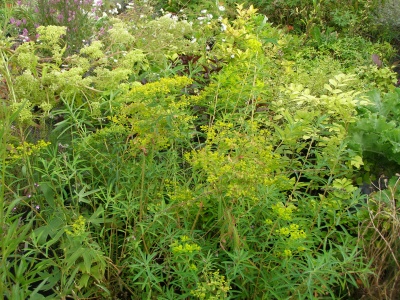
column 142, row 187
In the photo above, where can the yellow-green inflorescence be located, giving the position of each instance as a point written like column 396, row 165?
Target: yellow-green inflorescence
column 78, row 227
column 213, row 286
column 290, row 235
column 25, row 149
column 184, row 246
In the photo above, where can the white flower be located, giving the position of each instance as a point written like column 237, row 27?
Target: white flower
column 233, row 56
column 204, row 11
column 209, row 16
column 193, row 40
column 221, row 8
column 201, row 18
column 223, row 27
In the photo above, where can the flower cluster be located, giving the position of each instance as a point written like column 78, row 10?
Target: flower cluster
column 213, row 286
column 283, row 212
column 238, row 166
column 292, row 231
column 184, row 246
column 25, row 149
column 179, row 194
column 78, row 227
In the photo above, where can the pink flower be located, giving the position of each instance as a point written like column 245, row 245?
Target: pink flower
column 25, row 35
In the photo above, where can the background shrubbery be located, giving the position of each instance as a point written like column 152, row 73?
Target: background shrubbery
column 180, row 150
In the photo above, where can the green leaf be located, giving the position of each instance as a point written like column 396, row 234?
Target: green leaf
column 54, row 229
column 98, row 216
column 82, row 195
column 333, row 82
column 328, row 87
column 71, row 259
column 48, row 193
column 83, row 281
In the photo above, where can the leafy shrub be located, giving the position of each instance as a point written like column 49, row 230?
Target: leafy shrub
column 376, row 131
column 386, row 20
column 238, row 188
column 350, row 17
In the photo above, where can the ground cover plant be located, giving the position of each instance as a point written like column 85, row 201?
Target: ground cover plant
column 164, row 155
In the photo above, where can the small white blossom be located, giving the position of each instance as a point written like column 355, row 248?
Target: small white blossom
column 223, row 27
column 204, row 11
column 221, row 8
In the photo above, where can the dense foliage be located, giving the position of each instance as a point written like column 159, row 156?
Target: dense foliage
column 211, row 156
